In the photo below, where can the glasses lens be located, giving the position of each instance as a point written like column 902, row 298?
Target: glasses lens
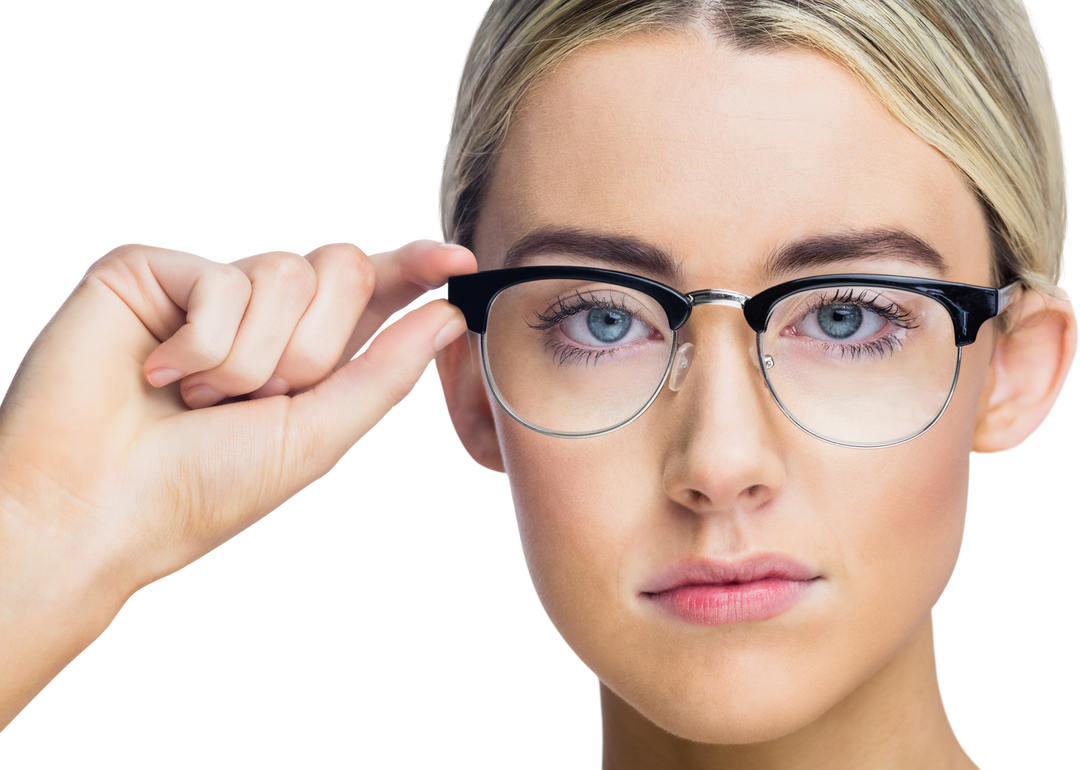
column 576, row 357
column 862, row 365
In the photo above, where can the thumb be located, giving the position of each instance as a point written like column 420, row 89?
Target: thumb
column 327, row 420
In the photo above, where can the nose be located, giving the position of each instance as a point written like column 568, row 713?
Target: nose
column 684, row 356
column 725, row 452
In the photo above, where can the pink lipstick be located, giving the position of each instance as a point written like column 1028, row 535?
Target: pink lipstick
column 717, row 593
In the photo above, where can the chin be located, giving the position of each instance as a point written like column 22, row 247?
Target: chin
column 740, row 705
column 733, row 720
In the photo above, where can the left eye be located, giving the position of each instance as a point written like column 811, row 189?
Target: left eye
column 601, row 326
column 840, row 322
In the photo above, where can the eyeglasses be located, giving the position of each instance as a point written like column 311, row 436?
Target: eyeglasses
column 856, row 360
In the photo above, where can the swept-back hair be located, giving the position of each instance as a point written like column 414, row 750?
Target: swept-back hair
column 966, row 76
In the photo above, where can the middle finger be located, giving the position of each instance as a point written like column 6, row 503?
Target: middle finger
column 346, row 278
column 282, row 287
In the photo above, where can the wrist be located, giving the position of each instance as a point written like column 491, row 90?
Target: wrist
column 57, row 595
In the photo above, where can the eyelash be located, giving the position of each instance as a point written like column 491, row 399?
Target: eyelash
column 890, row 312
column 563, row 351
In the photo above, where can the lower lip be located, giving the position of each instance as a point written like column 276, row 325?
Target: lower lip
column 722, row 604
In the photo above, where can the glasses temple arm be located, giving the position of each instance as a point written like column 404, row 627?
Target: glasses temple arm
column 1008, row 295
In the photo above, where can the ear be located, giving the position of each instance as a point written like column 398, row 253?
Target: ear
column 1028, row 370
column 466, row 398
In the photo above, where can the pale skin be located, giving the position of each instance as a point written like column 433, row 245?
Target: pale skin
column 108, row 483
column 111, row 477
column 721, row 158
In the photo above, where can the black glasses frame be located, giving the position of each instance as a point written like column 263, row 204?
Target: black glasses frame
column 968, row 306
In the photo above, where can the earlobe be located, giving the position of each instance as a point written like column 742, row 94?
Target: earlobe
column 470, row 411
column 1030, row 363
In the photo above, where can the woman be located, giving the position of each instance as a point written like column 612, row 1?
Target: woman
column 650, row 529
column 638, row 153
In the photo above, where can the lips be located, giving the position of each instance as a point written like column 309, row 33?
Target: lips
column 746, row 570
column 715, row 593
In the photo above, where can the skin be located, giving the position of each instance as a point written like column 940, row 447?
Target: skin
column 115, row 468
column 721, row 158
column 173, row 401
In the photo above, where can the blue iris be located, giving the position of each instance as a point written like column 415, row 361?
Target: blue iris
column 840, row 321
column 608, row 324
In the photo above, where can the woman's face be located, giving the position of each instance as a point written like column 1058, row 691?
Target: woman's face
column 721, row 158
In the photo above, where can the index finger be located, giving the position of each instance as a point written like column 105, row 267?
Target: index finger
column 415, row 269
column 400, row 277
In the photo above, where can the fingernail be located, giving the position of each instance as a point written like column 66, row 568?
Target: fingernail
column 198, row 396
column 450, row 331
column 161, row 377
column 450, row 246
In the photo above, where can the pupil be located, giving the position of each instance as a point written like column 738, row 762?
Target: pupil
column 840, row 321
column 608, row 325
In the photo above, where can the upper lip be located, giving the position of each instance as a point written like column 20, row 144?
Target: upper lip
column 719, row 572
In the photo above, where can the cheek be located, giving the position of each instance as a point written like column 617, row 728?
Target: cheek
column 903, row 523
column 574, row 506
column 894, row 529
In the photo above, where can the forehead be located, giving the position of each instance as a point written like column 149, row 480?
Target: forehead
column 720, row 157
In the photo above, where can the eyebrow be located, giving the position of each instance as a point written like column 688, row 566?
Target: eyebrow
column 627, row 252
column 638, row 256
column 821, row 250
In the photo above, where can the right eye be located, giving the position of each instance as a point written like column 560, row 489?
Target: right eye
column 600, row 326
column 841, row 322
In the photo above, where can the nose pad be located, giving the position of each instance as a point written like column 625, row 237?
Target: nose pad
column 684, row 356
column 752, row 350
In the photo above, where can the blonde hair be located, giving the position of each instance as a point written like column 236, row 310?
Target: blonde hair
column 966, row 76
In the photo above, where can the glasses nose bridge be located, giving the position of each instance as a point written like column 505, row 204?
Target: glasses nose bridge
column 684, row 355
column 722, row 297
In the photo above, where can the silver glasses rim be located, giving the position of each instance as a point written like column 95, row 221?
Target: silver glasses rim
column 560, row 434
column 1007, row 295
column 837, row 442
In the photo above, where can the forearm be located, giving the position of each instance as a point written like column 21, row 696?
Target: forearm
column 55, row 599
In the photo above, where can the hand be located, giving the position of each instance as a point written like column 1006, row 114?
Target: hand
column 123, row 456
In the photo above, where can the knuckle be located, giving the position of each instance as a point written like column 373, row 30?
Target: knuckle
column 338, row 251
column 128, row 251
column 350, row 266
column 231, row 281
column 342, row 248
column 280, row 266
column 365, row 275
column 281, row 260
column 120, row 258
